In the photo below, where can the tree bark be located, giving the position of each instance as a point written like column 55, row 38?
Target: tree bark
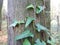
column 1, row 2
column 10, row 17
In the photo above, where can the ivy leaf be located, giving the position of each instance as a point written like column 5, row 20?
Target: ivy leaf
column 38, row 42
column 13, row 24
column 39, row 9
column 39, row 27
column 16, row 23
column 29, row 20
column 30, row 6
column 26, row 42
column 21, row 22
column 52, row 41
column 24, row 34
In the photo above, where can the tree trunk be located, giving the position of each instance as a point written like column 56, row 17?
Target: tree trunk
column 17, row 9
column 1, row 2
column 10, row 17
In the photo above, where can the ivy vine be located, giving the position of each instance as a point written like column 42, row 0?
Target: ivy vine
column 27, row 33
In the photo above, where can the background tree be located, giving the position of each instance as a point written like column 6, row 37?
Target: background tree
column 1, row 3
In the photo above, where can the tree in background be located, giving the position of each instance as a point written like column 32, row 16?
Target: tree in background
column 1, row 2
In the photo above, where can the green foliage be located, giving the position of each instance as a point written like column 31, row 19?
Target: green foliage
column 30, row 6
column 27, row 33
column 26, row 42
column 15, row 23
column 21, row 22
column 39, row 27
column 52, row 41
column 24, row 34
column 38, row 42
column 39, row 9
column 29, row 20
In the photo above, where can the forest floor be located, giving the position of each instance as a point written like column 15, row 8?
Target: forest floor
column 3, row 34
column 3, row 40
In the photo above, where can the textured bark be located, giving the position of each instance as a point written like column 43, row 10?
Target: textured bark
column 1, row 2
column 10, row 17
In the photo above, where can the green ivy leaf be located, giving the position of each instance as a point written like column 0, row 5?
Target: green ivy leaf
column 26, row 42
column 52, row 41
column 29, row 20
column 13, row 24
column 30, row 6
column 16, row 23
column 24, row 34
column 39, row 9
column 21, row 22
column 39, row 27
column 38, row 42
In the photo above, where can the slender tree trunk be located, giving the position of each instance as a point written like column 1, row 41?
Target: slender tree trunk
column 10, row 17
column 1, row 2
